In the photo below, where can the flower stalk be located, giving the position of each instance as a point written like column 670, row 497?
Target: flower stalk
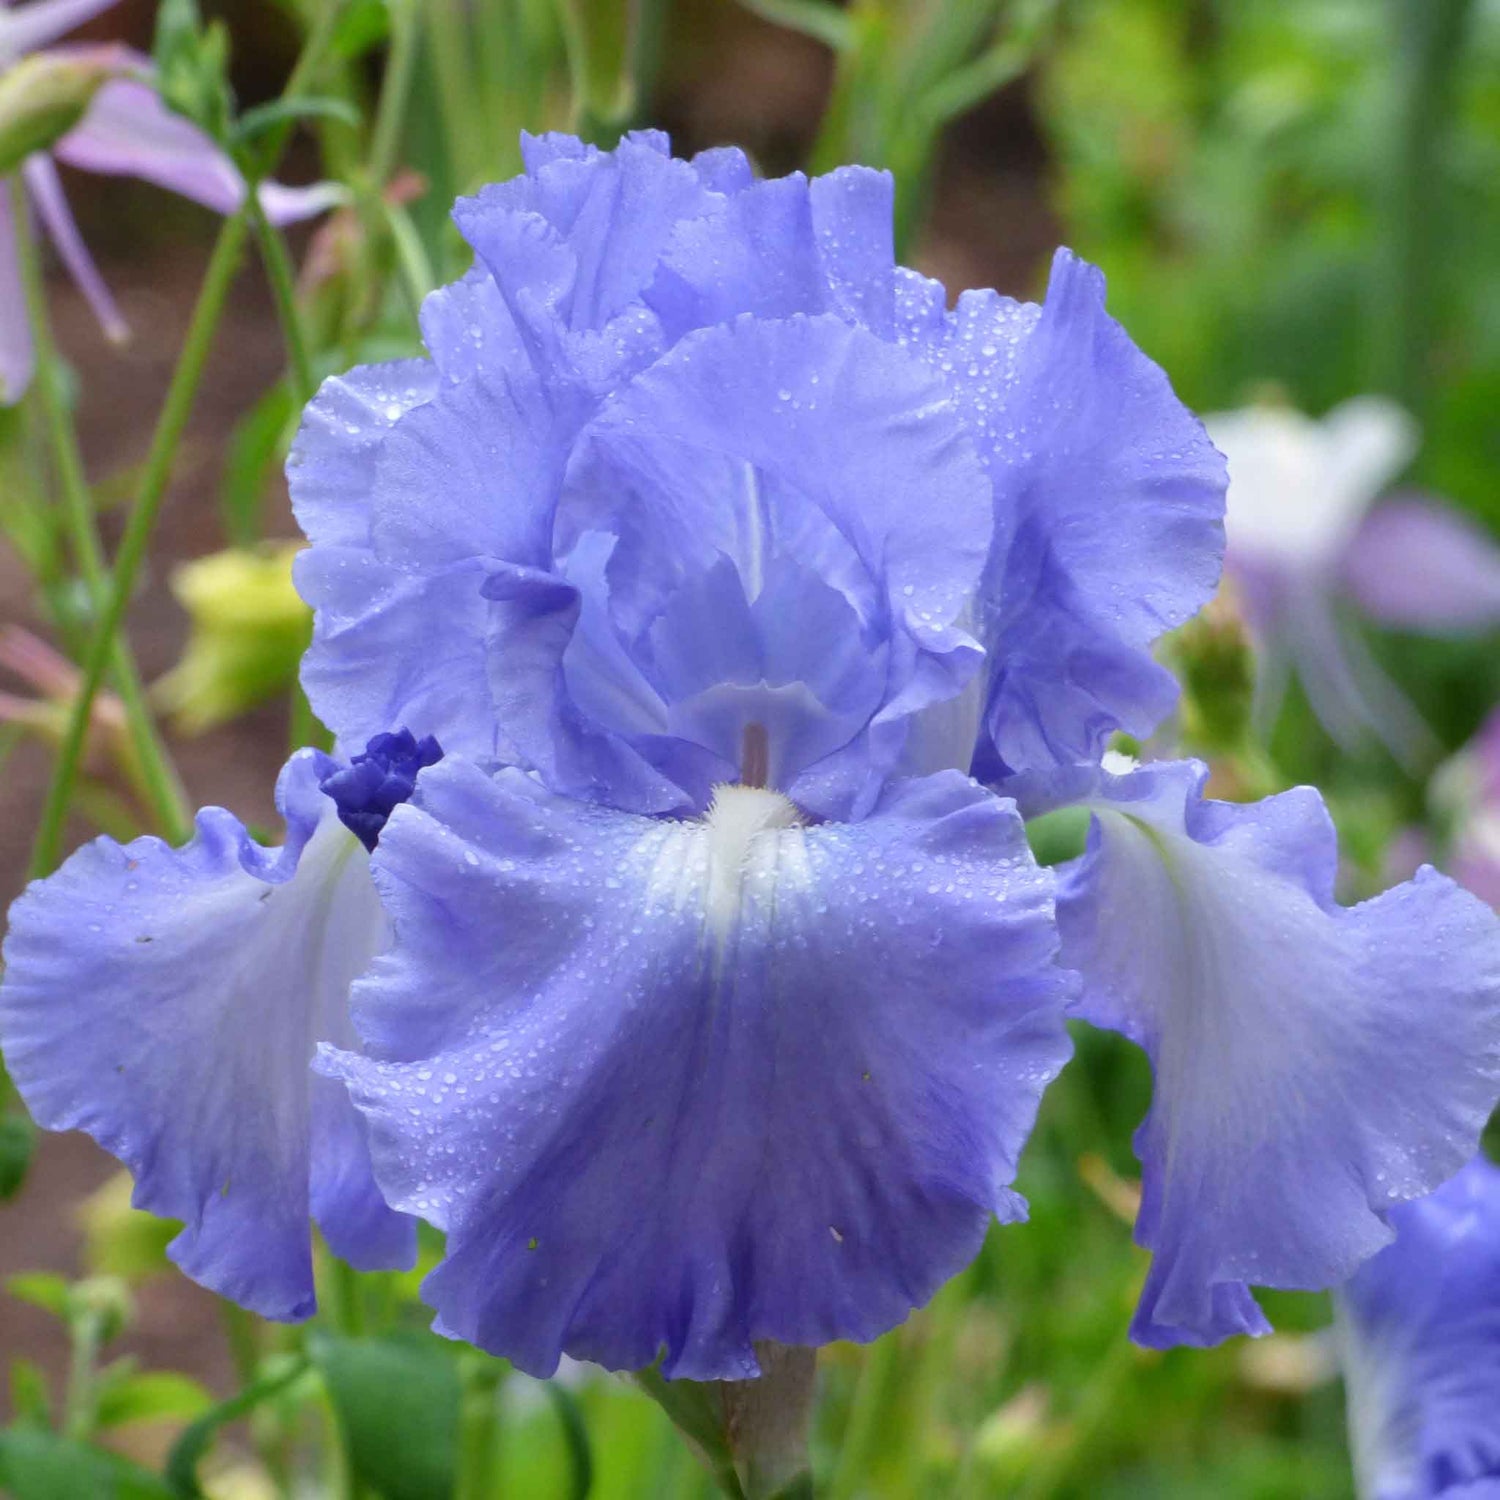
column 223, row 266
column 159, row 782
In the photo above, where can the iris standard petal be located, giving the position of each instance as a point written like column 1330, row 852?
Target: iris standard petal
column 1109, row 501
column 167, row 1001
column 683, row 1086
column 800, row 441
column 781, row 247
column 1419, row 1334
column 1315, row 1065
column 390, row 645
column 574, row 242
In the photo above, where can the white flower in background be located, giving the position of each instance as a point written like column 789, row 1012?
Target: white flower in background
column 1303, row 528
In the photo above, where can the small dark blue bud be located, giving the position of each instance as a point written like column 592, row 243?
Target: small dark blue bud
column 374, row 784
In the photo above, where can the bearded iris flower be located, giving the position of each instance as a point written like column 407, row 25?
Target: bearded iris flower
column 128, row 131
column 1419, row 1332
column 746, row 587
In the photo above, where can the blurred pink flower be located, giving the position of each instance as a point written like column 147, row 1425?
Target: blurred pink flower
column 127, row 130
column 1467, row 793
column 1303, row 530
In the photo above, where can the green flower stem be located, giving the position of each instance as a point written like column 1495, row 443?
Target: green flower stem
column 1425, row 48
column 158, row 780
column 867, row 1412
column 81, row 1394
column 449, row 48
column 222, row 267
column 345, row 1294
column 479, row 1426
column 395, row 91
column 1055, row 1473
column 283, row 280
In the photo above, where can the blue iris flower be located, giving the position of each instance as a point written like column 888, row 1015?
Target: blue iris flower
column 1419, row 1331
column 711, row 989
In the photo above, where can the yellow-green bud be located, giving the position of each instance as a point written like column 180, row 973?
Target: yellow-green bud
column 42, row 97
column 249, row 630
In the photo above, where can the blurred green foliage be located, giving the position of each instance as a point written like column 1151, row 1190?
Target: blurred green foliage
column 1235, row 166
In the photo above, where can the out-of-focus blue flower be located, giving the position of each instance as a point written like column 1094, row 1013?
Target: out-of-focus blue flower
column 128, row 131
column 168, row 1001
column 1304, row 530
column 1419, row 1332
column 1315, row 1065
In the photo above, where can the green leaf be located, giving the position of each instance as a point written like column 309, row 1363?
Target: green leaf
column 39, row 1465
column 823, row 22
column 17, row 1146
column 29, row 1397
column 397, row 1402
column 156, row 1396
column 44, row 1289
column 254, row 123
column 182, row 1463
column 177, row 26
column 576, row 1436
column 364, row 25
column 255, row 449
column 192, row 66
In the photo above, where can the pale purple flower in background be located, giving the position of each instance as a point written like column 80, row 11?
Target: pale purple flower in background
column 126, row 131
column 1466, row 794
column 1304, row 531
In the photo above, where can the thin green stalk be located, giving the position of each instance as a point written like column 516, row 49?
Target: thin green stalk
column 81, row 1396
column 479, row 1426
column 1053, row 1473
column 411, row 258
column 863, row 1429
column 346, row 1294
column 222, row 266
column 138, row 527
column 283, row 280
column 159, row 782
column 1426, row 47
column 449, row 45
column 395, row 91
column 244, row 1343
